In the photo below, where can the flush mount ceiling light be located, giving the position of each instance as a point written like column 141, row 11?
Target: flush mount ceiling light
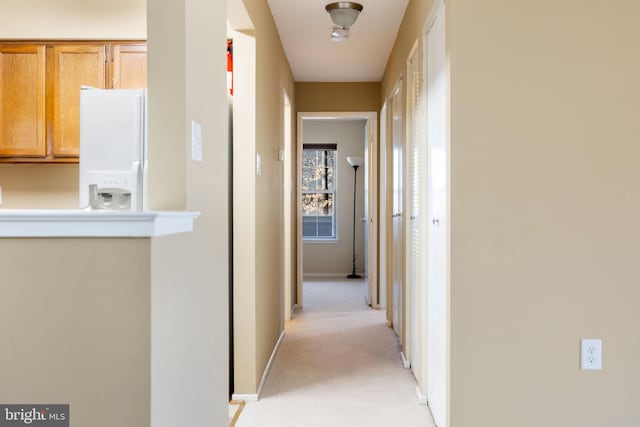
column 339, row 34
column 344, row 15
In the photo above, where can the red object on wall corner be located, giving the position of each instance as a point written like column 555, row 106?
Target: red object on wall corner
column 230, row 66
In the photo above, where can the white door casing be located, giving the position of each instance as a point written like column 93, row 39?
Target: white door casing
column 382, row 209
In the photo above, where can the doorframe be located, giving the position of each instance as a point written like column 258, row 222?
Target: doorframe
column 383, row 203
column 288, row 188
column 372, row 170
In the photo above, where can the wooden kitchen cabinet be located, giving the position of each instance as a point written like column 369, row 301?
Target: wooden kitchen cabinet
column 40, row 93
column 22, row 101
column 129, row 66
column 73, row 66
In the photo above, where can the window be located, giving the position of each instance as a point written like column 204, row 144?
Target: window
column 319, row 191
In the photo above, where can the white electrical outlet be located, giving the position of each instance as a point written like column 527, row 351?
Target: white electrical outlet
column 591, row 355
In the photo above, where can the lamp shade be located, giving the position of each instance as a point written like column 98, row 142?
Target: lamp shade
column 344, row 13
column 355, row 161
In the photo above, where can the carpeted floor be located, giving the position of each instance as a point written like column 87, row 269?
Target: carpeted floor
column 338, row 365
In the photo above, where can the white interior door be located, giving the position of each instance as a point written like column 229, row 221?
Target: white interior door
column 398, row 231
column 437, row 241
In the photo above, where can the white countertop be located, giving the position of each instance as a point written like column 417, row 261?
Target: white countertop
column 80, row 223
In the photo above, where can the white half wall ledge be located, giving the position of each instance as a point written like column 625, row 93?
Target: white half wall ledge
column 34, row 223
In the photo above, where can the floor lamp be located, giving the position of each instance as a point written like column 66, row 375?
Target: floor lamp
column 355, row 162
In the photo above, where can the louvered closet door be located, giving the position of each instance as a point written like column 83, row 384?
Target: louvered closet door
column 416, row 196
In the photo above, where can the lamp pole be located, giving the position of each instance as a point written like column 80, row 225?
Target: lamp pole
column 353, row 274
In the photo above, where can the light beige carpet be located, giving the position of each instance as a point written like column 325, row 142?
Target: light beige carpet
column 338, row 365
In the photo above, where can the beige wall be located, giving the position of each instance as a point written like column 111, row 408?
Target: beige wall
column 327, row 258
column 33, row 186
column 258, row 299
column 189, row 346
column 75, row 325
column 73, row 19
column 410, row 29
column 312, row 97
column 273, row 76
column 544, row 139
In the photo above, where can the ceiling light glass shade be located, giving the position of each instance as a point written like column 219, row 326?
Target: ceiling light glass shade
column 339, row 34
column 344, row 13
column 355, row 161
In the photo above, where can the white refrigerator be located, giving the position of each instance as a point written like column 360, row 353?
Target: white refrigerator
column 113, row 151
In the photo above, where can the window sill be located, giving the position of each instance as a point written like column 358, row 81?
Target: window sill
column 321, row 241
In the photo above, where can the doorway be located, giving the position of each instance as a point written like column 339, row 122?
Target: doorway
column 315, row 205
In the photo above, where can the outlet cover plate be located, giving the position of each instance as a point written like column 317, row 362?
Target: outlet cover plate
column 591, row 354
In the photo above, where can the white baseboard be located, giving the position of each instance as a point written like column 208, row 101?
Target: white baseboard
column 320, row 275
column 265, row 374
column 293, row 309
column 422, row 399
column 405, row 362
column 245, row 397
column 269, row 363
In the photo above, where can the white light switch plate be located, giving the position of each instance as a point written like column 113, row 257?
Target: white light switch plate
column 591, row 354
column 258, row 164
column 196, row 141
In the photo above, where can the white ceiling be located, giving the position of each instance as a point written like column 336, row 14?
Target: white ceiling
column 304, row 27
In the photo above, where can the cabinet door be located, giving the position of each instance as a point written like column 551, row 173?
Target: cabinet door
column 22, row 101
column 129, row 66
column 74, row 66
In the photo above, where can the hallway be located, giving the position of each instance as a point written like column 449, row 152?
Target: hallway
column 338, row 365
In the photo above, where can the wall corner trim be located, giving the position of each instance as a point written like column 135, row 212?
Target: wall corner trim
column 405, row 363
column 422, row 399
